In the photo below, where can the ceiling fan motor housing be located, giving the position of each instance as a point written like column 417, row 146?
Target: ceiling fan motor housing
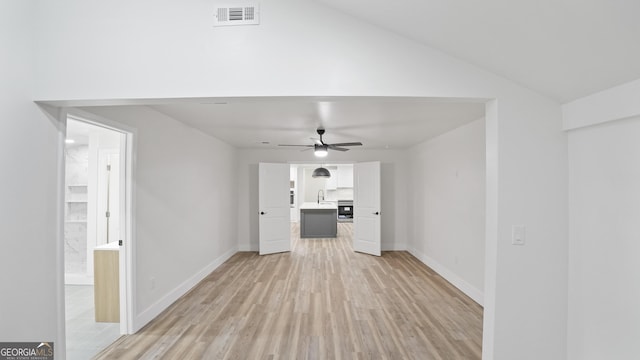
column 321, row 148
column 321, row 132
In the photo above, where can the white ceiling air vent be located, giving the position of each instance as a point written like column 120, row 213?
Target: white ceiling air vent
column 239, row 14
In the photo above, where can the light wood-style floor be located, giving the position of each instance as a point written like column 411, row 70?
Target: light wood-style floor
column 321, row 301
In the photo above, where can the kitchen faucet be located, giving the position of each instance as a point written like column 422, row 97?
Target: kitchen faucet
column 320, row 191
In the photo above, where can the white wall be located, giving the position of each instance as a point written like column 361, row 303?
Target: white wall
column 30, row 270
column 185, row 203
column 77, row 270
column 604, row 288
column 393, row 188
column 150, row 49
column 527, row 185
column 447, row 206
column 312, row 186
column 126, row 51
column 604, row 199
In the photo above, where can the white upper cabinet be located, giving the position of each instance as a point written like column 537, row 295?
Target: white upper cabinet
column 341, row 177
column 332, row 182
column 344, row 176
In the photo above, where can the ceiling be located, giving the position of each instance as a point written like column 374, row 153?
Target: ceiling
column 376, row 122
column 565, row 49
column 79, row 132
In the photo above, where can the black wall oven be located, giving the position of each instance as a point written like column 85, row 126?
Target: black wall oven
column 345, row 210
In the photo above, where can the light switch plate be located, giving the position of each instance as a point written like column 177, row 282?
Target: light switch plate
column 518, row 234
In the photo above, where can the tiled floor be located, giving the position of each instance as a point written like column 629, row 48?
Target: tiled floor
column 85, row 337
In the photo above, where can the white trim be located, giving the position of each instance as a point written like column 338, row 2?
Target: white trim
column 385, row 247
column 159, row 306
column 60, row 351
column 129, row 288
column 450, row 276
column 492, row 162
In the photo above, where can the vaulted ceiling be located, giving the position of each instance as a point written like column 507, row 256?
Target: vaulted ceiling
column 565, row 49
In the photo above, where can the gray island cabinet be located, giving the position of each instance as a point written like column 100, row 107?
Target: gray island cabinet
column 318, row 220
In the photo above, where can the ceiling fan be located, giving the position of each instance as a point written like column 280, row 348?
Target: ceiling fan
column 320, row 148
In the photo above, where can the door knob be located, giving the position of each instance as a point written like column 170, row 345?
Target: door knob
column 262, row 212
column 376, row 213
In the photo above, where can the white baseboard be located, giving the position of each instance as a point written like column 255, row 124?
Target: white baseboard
column 384, row 247
column 450, row 276
column 78, row 279
column 159, row 306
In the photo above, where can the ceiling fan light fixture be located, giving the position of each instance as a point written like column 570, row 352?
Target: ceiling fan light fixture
column 320, row 150
column 321, row 173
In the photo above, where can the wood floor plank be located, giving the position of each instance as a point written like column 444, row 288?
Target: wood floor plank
column 320, row 301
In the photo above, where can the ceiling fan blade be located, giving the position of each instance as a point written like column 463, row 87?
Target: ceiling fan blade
column 307, row 149
column 295, row 145
column 347, row 144
column 333, row 147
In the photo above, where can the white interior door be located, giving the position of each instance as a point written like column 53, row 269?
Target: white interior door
column 274, row 208
column 366, row 208
column 108, row 224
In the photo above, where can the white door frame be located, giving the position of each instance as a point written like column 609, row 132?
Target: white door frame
column 127, row 214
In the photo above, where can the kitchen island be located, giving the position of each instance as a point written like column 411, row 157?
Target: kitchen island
column 318, row 220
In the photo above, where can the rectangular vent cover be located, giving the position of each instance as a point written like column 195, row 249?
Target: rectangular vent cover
column 248, row 14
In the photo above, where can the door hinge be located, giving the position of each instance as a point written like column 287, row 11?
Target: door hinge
column 119, row 242
column 107, row 214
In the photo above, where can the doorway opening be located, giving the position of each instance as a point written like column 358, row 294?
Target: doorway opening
column 343, row 202
column 337, row 192
column 95, row 219
column 318, row 216
column 303, row 187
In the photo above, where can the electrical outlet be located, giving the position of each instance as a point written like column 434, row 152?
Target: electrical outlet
column 152, row 282
column 518, row 235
